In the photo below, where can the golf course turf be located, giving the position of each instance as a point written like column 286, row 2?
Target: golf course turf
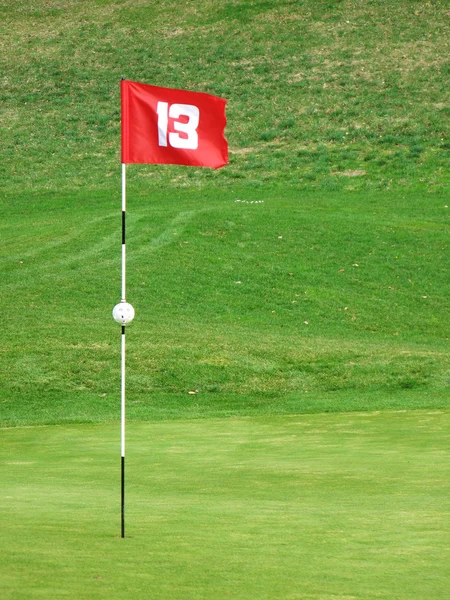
column 308, row 507
column 288, row 368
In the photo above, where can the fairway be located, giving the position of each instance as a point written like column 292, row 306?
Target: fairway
column 307, row 507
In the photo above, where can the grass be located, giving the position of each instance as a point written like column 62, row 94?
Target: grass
column 323, row 95
column 308, row 507
column 288, row 368
column 271, row 300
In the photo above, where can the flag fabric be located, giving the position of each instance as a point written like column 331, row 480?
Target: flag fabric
column 170, row 126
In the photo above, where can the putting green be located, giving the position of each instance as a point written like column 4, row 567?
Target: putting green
column 295, row 507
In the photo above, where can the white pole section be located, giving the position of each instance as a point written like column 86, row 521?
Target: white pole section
column 122, row 397
column 124, row 208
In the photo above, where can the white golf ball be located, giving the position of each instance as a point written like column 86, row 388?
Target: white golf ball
column 123, row 313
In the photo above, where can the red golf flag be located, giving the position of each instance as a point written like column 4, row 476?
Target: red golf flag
column 169, row 126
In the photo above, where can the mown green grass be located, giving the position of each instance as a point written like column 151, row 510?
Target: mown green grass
column 272, row 301
column 305, row 507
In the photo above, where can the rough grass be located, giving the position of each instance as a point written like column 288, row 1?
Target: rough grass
column 327, row 95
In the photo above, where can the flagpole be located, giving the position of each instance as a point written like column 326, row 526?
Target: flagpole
column 123, row 314
column 122, row 386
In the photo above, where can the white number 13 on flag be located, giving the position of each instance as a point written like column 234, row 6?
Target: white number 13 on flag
column 189, row 141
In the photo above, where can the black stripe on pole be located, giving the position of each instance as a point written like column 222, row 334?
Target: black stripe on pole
column 122, row 504
column 123, row 227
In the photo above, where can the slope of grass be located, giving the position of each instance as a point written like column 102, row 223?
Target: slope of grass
column 311, row 508
column 309, row 274
column 329, row 95
column 267, row 301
